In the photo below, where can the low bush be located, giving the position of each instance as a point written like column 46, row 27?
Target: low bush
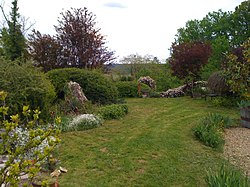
column 153, row 94
column 227, row 177
column 114, row 111
column 210, row 130
column 96, row 87
column 83, row 122
column 225, row 101
column 26, row 85
column 127, row 89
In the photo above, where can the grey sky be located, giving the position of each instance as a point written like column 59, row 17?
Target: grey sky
column 130, row 26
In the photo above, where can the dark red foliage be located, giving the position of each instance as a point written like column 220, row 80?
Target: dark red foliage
column 77, row 43
column 45, row 50
column 187, row 59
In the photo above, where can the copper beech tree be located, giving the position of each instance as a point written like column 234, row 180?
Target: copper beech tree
column 187, row 59
column 77, row 43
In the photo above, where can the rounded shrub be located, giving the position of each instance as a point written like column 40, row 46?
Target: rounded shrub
column 113, row 111
column 26, row 85
column 127, row 88
column 95, row 86
column 84, row 122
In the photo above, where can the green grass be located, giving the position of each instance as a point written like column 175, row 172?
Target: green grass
column 152, row 146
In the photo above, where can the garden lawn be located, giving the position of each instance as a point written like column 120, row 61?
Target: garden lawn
column 152, row 146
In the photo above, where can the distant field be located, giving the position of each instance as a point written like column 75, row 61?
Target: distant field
column 152, row 146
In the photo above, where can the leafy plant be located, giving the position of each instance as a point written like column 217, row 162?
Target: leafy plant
column 227, row 176
column 210, row 130
column 237, row 70
column 113, row 111
column 24, row 142
column 26, row 85
column 243, row 104
column 127, row 88
column 95, row 86
column 84, row 122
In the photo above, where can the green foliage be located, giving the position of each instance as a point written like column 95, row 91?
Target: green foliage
column 210, row 130
column 113, row 111
column 13, row 42
column 220, row 46
column 25, row 143
column 225, row 101
column 127, row 88
column 26, row 85
column 237, row 71
column 95, row 86
column 126, row 78
column 223, row 30
column 154, row 94
column 243, row 104
column 227, row 176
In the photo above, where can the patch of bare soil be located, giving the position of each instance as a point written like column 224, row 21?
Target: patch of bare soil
column 237, row 148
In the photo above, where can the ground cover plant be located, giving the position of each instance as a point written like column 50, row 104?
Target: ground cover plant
column 153, row 145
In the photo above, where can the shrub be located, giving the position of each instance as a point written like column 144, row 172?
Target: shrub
column 126, row 78
column 227, row 176
column 114, row 111
column 25, row 142
column 26, row 85
column 225, row 101
column 95, row 86
column 210, row 130
column 217, row 83
column 154, row 94
column 84, row 122
column 127, row 89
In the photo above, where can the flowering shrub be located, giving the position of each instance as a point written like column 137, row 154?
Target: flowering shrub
column 22, row 136
column 84, row 122
column 24, row 142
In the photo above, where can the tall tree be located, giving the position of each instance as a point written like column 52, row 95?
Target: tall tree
column 188, row 58
column 241, row 24
column 13, row 42
column 79, row 42
column 83, row 45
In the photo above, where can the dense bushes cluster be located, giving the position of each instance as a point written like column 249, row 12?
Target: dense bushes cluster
column 96, row 87
column 26, row 86
column 113, row 111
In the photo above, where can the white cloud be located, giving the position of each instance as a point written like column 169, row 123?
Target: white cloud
column 114, row 5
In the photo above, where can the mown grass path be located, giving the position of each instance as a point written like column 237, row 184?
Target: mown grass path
column 152, row 146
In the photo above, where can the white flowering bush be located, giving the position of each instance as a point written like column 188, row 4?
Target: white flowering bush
column 22, row 136
column 84, row 122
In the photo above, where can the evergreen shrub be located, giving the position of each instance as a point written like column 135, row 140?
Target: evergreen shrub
column 26, row 85
column 95, row 86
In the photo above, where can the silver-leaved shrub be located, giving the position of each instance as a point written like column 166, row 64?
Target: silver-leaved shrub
column 84, row 122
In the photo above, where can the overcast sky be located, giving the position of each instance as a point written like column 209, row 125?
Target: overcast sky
column 130, row 26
